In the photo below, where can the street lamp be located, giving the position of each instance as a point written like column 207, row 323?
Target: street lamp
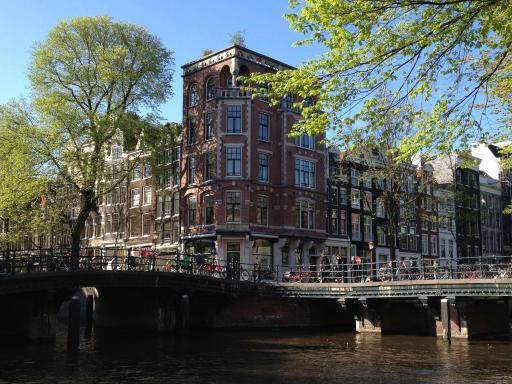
column 371, row 246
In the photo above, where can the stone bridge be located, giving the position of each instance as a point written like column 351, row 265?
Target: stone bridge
column 164, row 301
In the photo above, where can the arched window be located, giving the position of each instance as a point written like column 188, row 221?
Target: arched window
column 192, row 96
column 210, row 89
column 192, row 130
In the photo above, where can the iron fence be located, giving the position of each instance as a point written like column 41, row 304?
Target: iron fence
column 145, row 260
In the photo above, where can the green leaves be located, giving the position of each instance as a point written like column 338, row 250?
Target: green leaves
column 94, row 81
column 422, row 53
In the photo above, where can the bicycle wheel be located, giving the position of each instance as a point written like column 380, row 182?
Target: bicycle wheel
column 244, row 275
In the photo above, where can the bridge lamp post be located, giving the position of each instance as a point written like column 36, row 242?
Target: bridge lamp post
column 371, row 246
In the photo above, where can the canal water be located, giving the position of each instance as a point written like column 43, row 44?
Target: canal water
column 294, row 357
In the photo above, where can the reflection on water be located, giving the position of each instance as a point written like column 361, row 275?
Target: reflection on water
column 257, row 357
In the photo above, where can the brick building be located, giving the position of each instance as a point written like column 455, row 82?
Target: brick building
column 248, row 191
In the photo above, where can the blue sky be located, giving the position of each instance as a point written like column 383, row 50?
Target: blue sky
column 185, row 27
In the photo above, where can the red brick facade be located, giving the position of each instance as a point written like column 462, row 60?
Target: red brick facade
column 210, row 87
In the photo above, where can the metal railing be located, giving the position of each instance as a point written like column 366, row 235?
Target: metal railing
column 358, row 271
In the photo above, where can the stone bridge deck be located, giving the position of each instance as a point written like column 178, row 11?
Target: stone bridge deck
column 31, row 282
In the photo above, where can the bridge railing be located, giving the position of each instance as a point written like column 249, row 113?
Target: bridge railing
column 356, row 270
column 494, row 267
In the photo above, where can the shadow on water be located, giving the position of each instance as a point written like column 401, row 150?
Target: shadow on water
column 256, row 357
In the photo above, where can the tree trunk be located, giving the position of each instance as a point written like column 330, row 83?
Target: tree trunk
column 86, row 207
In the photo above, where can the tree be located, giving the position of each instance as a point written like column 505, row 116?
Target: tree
column 237, row 38
column 439, row 55
column 92, row 80
column 25, row 185
column 395, row 177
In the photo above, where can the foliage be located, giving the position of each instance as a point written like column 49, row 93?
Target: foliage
column 206, row 52
column 381, row 160
column 426, row 53
column 94, row 80
column 26, row 188
column 237, row 38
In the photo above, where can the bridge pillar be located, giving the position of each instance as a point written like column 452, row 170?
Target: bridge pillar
column 28, row 316
column 148, row 309
column 183, row 313
column 395, row 316
column 368, row 317
column 468, row 318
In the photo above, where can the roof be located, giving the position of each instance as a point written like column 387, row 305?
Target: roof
column 238, row 51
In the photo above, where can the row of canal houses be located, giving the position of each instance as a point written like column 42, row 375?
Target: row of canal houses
column 240, row 188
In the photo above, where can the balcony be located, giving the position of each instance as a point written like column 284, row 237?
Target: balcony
column 232, row 93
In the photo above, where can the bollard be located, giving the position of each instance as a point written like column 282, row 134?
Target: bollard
column 74, row 323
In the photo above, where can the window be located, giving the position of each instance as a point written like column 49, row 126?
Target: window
column 192, row 130
column 305, row 141
column 208, row 209
column 379, row 183
column 304, row 214
column 167, row 231
column 380, row 208
column 334, row 221
column 368, row 230
column 356, row 227
column 234, row 119
column 135, row 226
column 233, row 252
column 367, row 203
column 424, row 244
column 116, row 152
column 146, row 199
column 343, row 196
column 135, row 197
column 191, row 169
column 355, row 198
column 264, row 166
column 233, row 207
column 116, row 223
column 428, row 203
column 443, row 248
column 146, row 225
column 333, row 197
column 192, row 97
column 410, row 184
column 381, row 236
column 264, row 127
column 424, row 223
column 354, row 177
column 433, row 245
column 192, row 211
column 208, row 166
column 450, row 248
column 136, row 172
column 304, row 173
column 208, row 125
column 234, row 161
column 167, row 205
column 176, row 203
column 108, row 223
column 210, row 89
column 367, row 181
column 343, row 223
column 262, row 210
column 148, row 171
